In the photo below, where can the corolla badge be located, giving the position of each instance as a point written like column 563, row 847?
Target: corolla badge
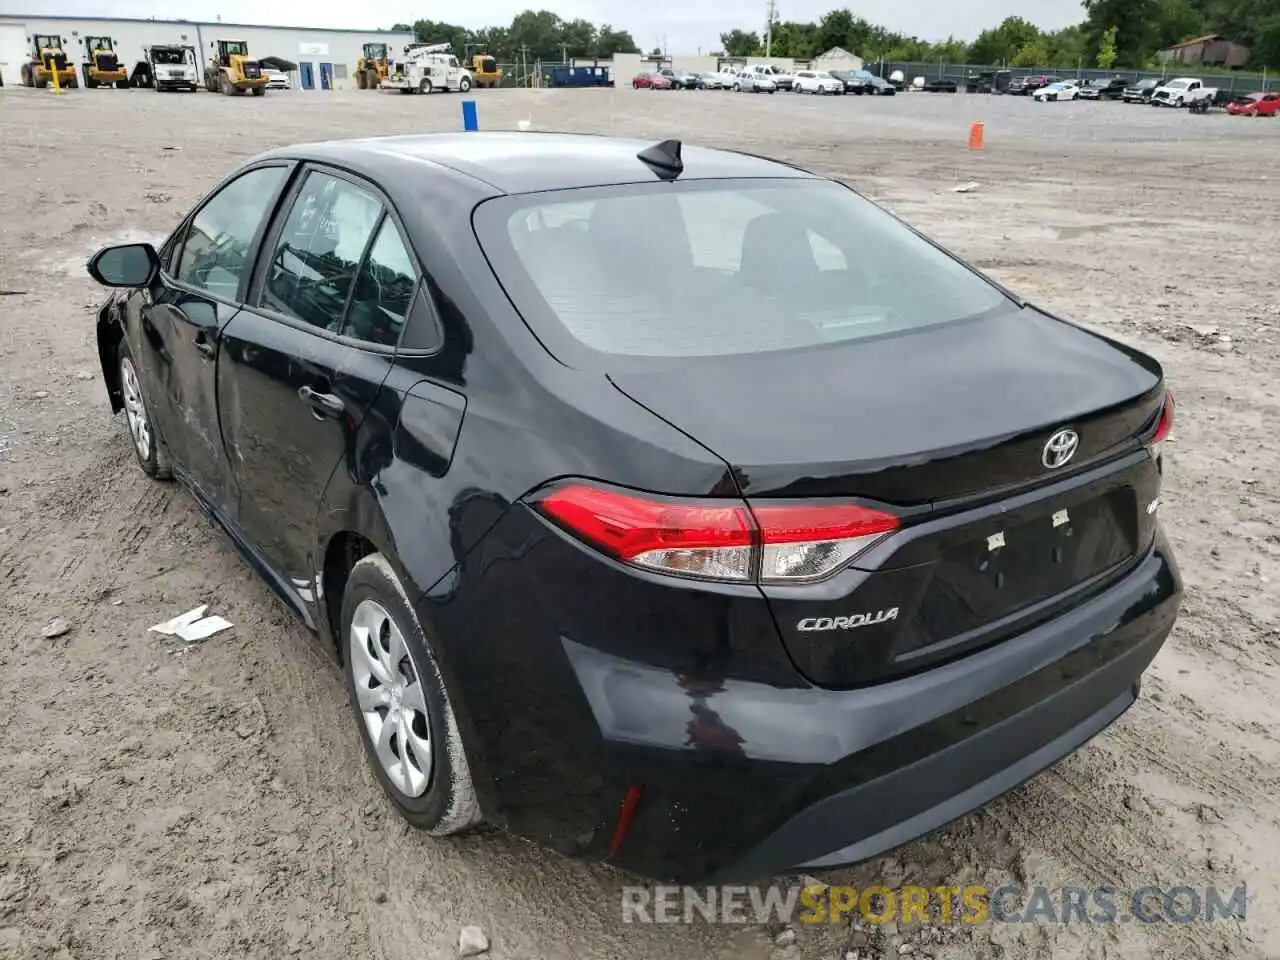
column 847, row 623
column 1060, row 448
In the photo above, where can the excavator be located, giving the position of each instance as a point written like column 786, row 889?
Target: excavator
column 230, row 70
column 485, row 70
column 371, row 69
column 102, row 68
column 46, row 58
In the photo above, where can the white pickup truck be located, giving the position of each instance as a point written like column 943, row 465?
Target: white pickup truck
column 1181, row 92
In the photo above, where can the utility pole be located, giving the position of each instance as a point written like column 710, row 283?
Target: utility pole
column 524, row 63
column 771, row 11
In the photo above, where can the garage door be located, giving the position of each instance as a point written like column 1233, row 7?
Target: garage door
column 13, row 52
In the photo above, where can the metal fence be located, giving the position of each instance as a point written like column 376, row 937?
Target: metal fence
column 1233, row 81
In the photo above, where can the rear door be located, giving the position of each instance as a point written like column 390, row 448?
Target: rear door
column 304, row 360
column 199, row 290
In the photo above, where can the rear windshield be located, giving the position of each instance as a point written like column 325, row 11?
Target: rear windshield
column 719, row 267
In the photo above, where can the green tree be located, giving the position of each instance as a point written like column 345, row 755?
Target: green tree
column 1033, row 54
column 1001, row 44
column 610, row 41
column 1107, row 49
column 740, row 43
column 1135, row 23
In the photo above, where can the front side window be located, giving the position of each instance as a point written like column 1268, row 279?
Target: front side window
column 318, row 252
column 715, row 268
column 215, row 251
column 384, row 290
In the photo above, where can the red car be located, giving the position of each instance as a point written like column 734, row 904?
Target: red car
column 1255, row 105
column 651, row 81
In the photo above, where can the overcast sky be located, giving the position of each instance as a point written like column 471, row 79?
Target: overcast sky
column 686, row 25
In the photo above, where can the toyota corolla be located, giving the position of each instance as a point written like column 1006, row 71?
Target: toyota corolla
column 661, row 504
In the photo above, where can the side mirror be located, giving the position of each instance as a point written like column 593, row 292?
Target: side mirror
column 128, row 265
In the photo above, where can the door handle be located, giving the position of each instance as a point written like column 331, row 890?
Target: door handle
column 204, row 346
column 323, row 404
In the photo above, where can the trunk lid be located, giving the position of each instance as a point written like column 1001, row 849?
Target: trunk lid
column 948, row 425
column 944, row 413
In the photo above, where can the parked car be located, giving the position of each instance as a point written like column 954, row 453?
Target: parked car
column 940, row 86
column 782, row 80
column 1103, row 89
column 689, row 567
column 817, row 81
column 988, row 81
column 846, row 77
column 1255, row 105
column 277, row 79
column 882, row 87
column 1209, row 98
column 1140, row 92
column 749, row 81
column 1177, row 92
column 680, row 79
column 1025, row 86
column 1062, row 90
column 650, row 81
column 714, row 81
column 864, row 82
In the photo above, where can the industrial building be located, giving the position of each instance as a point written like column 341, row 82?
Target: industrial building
column 325, row 57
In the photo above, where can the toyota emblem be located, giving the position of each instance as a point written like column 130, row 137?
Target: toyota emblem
column 1060, row 448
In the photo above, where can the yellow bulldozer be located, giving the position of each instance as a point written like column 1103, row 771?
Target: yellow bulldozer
column 101, row 67
column 371, row 69
column 47, row 58
column 485, row 70
column 230, row 70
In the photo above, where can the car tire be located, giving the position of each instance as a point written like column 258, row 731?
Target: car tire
column 425, row 85
column 382, row 637
column 148, row 448
column 464, row 85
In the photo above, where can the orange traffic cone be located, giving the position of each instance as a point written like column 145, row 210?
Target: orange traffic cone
column 976, row 131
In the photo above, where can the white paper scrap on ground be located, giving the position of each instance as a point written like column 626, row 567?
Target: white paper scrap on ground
column 193, row 626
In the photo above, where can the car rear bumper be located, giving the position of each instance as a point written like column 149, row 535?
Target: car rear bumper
column 579, row 698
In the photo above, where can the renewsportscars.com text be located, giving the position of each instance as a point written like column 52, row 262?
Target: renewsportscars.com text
column 971, row 904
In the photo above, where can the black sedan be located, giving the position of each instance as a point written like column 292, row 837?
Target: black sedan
column 1140, row 92
column 667, row 505
column 1103, row 89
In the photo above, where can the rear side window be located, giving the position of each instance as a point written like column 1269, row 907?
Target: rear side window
column 317, row 255
column 215, row 250
column 384, row 290
column 714, row 268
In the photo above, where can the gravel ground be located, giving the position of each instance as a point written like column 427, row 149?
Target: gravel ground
column 213, row 801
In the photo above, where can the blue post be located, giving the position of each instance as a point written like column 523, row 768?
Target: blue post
column 470, row 122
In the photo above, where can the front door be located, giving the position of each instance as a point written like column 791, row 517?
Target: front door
column 308, row 75
column 301, row 365
column 326, row 76
column 182, row 315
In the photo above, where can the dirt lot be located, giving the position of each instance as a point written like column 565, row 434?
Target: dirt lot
column 213, row 801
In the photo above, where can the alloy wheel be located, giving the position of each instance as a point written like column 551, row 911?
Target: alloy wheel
column 391, row 700
column 135, row 409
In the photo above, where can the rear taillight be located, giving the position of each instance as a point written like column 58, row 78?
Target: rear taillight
column 717, row 539
column 1164, row 426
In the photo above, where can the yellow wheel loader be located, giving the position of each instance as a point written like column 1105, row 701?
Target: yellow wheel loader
column 47, row 58
column 230, row 70
column 485, row 70
column 371, row 69
column 101, row 67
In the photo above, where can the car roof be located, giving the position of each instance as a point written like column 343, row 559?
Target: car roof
column 527, row 162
